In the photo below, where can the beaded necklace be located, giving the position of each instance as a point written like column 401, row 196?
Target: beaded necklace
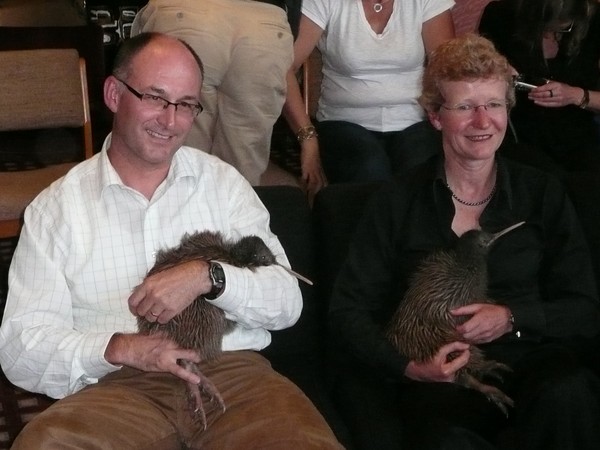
column 479, row 203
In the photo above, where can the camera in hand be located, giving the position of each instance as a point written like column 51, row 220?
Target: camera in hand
column 523, row 82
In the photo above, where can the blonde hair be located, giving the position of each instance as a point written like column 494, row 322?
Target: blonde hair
column 467, row 57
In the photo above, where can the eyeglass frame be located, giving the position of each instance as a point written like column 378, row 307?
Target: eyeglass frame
column 168, row 103
column 472, row 109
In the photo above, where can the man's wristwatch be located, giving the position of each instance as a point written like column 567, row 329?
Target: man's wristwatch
column 217, row 277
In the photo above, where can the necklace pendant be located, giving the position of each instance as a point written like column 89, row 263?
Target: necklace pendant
column 377, row 7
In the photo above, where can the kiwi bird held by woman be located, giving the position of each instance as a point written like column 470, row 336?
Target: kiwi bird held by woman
column 446, row 280
column 202, row 325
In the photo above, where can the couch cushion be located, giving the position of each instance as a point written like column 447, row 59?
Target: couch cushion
column 337, row 210
column 299, row 352
column 291, row 222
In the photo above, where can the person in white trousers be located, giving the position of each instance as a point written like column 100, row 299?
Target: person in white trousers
column 247, row 48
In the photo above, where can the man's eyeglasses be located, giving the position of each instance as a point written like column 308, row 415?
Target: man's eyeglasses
column 158, row 103
column 467, row 109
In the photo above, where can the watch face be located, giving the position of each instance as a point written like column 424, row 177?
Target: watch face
column 217, row 277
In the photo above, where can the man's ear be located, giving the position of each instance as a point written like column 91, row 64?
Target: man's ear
column 112, row 93
column 434, row 118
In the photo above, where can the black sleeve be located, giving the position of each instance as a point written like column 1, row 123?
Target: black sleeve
column 544, row 271
column 571, row 306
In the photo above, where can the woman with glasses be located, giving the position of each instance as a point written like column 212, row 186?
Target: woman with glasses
column 553, row 44
column 540, row 279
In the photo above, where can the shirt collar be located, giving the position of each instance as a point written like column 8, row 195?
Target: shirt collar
column 109, row 177
column 108, row 174
column 503, row 186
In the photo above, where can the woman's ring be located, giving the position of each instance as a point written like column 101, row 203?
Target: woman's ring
column 154, row 315
column 551, row 93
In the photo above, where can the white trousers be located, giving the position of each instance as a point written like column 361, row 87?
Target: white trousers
column 247, row 48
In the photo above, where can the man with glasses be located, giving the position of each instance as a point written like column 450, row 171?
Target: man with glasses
column 78, row 283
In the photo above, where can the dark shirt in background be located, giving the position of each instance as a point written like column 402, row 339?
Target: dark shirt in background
column 293, row 12
column 568, row 135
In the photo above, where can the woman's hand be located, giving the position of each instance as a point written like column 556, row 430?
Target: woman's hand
column 555, row 95
column 443, row 366
column 313, row 176
column 487, row 323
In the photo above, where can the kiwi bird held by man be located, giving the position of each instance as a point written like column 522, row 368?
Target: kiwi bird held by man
column 202, row 325
column 184, row 328
column 446, row 280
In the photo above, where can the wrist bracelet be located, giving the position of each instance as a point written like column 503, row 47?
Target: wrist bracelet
column 305, row 133
column 585, row 99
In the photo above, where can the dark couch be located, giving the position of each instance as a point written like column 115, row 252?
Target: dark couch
column 315, row 241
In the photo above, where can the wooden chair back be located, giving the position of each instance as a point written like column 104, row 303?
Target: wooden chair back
column 43, row 90
column 311, row 82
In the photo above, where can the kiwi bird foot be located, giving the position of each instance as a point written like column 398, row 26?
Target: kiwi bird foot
column 197, row 403
column 498, row 398
column 493, row 394
column 195, row 391
column 497, row 369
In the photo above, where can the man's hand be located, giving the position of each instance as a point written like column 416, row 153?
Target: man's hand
column 165, row 294
column 488, row 322
column 154, row 353
column 442, row 367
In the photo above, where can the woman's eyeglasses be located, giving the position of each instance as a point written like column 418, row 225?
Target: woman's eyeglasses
column 558, row 29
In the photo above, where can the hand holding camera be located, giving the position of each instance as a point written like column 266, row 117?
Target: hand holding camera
column 553, row 94
column 524, row 82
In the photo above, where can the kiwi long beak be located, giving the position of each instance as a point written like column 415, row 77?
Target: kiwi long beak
column 506, row 230
column 297, row 275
